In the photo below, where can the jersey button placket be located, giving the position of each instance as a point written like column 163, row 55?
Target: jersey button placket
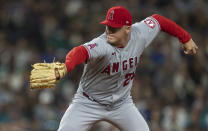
column 118, row 59
column 120, row 78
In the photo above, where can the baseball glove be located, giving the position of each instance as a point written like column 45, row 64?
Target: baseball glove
column 46, row 75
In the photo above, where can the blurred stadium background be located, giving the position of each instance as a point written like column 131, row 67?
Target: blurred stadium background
column 169, row 89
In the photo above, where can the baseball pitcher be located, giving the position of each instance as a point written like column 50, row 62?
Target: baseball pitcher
column 110, row 63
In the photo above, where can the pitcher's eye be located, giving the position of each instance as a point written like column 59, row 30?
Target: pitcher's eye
column 112, row 29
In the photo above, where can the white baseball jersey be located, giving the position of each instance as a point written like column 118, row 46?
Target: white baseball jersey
column 109, row 71
column 107, row 78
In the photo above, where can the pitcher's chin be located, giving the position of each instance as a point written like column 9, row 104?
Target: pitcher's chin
column 111, row 40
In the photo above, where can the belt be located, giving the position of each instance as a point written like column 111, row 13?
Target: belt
column 92, row 99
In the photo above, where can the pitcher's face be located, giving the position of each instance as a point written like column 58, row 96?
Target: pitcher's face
column 115, row 35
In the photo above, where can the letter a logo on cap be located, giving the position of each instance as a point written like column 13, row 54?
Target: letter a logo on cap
column 110, row 17
column 117, row 17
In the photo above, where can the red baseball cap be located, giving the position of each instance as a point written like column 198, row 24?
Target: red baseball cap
column 117, row 17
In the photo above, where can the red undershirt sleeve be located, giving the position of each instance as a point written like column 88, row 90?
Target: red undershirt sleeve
column 172, row 28
column 76, row 56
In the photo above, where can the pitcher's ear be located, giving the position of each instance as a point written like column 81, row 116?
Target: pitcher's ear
column 128, row 29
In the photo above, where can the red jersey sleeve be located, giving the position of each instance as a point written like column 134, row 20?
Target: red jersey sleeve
column 172, row 28
column 76, row 56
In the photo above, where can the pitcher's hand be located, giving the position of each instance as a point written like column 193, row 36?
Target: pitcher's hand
column 190, row 48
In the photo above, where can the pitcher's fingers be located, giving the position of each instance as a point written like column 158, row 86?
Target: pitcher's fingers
column 184, row 48
column 194, row 51
column 57, row 74
column 185, row 52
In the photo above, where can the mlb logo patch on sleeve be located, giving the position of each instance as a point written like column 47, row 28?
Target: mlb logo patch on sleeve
column 150, row 23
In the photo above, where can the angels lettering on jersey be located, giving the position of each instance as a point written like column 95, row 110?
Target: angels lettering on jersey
column 124, row 65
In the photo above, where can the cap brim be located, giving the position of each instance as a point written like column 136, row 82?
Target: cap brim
column 111, row 24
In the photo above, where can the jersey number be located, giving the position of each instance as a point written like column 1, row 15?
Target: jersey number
column 128, row 77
